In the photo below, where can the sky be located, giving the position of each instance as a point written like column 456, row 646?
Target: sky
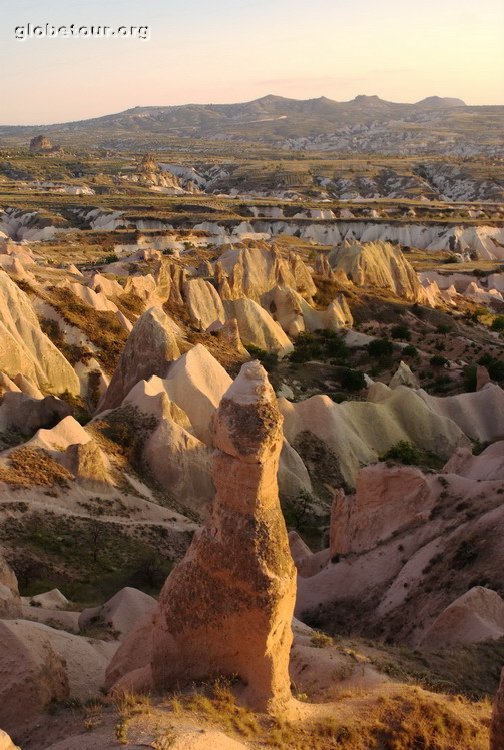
column 216, row 51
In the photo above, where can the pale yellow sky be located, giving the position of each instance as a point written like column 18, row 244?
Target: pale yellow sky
column 236, row 50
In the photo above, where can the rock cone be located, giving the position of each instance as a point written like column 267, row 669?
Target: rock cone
column 227, row 608
column 150, row 347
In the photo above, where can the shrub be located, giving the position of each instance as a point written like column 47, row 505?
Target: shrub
column 321, row 640
column 469, row 378
column 498, row 323
column 322, row 345
column 401, row 332
column 352, row 380
column 33, row 467
column 380, row 347
column 486, row 359
column 410, row 351
column 437, row 360
column 496, row 370
column 110, row 258
column 404, row 453
column 495, row 366
column 268, row 359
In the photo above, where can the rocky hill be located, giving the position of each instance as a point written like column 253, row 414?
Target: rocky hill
column 367, row 123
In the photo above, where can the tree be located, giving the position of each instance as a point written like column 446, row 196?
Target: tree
column 380, row 347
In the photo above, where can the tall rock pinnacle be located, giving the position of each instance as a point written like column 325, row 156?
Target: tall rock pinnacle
column 226, row 609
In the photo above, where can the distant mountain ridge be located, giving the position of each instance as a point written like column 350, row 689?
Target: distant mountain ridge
column 366, row 123
column 269, row 104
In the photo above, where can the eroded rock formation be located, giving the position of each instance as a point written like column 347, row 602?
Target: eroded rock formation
column 378, row 264
column 227, row 608
column 150, row 348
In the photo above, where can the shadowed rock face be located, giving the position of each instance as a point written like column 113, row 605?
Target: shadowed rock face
column 497, row 727
column 227, row 608
column 150, row 347
column 10, row 603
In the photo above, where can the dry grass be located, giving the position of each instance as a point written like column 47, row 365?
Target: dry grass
column 216, row 704
column 131, row 305
column 409, row 720
column 102, row 328
column 321, row 640
column 128, row 705
column 123, row 433
column 396, row 718
column 225, row 354
column 29, row 467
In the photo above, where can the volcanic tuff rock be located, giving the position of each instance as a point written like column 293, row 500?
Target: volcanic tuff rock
column 354, row 434
column 10, row 603
column 6, row 742
column 39, row 665
column 150, row 347
column 180, row 463
column 227, row 607
column 378, row 264
column 40, row 145
column 203, row 302
column 196, row 382
column 26, row 415
column 487, row 465
column 497, row 727
column 295, row 314
column 255, row 270
column 475, row 616
column 479, row 415
column 257, row 327
column 121, row 613
column 387, row 499
column 404, row 376
column 88, row 463
column 25, row 348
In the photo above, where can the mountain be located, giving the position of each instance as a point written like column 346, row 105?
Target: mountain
column 366, row 123
column 442, row 102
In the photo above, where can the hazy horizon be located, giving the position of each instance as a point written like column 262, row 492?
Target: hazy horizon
column 241, row 50
column 211, row 103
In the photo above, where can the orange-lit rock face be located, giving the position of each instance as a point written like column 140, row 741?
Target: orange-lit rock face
column 497, row 726
column 227, row 608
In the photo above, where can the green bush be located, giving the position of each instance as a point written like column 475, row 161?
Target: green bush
column 498, row 323
column 485, row 359
column 437, row 360
column 401, row 332
column 322, row 345
column 380, row 347
column 269, row 360
column 469, row 378
column 352, row 380
column 111, row 258
column 410, row 351
column 495, row 366
column 496, row 370
column 404, row 453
